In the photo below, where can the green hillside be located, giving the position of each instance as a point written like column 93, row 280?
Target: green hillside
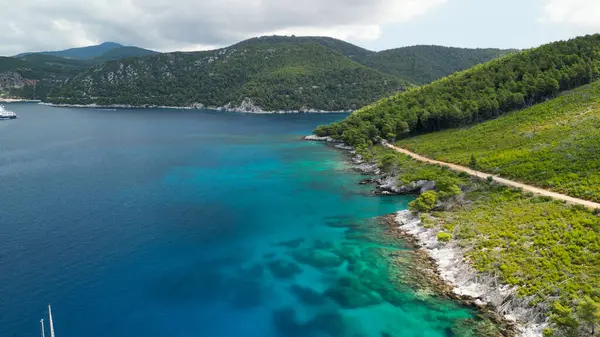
column 481, row 93
column 425, row 64
column 416, row 64
column 555, row 144
column 274, row 76
column 329, row 79
column 33, row 76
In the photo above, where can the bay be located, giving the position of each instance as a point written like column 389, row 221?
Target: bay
column 160, row 222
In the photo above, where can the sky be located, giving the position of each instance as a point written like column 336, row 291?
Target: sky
column 169, row 25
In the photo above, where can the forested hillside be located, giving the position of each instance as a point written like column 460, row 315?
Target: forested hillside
column 425, row 64
column 416, row 64
column 555, row 144
column 33, row 76
column 483, row 92
column 272, row 76
column 330, row 79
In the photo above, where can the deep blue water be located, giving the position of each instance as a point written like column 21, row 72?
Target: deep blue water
column 195, row 223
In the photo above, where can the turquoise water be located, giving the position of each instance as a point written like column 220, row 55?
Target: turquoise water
column 197, row 223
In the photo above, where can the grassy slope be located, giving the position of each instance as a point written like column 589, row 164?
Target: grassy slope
column 554, row 145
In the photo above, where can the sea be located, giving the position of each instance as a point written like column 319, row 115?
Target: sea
column 190, row 223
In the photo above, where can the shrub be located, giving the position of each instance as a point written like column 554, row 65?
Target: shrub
column 424, row 203
column 444, row 237
column 490, row 179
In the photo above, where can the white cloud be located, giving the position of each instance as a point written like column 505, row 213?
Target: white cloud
column 188, row 24
column 580, row 13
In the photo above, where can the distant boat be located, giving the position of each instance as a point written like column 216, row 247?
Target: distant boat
column 6, row 114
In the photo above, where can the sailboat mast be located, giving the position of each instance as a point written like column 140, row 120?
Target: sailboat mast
column 51, row 323
column 42, row 324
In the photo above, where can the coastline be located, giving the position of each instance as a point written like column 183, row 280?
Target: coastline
column 226, row 108
column 466, row 283
column 19, row 100
column 454, row 270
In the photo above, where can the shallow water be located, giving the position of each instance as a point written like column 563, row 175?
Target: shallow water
column 196, row 223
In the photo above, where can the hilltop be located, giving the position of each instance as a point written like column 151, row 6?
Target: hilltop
column 104, row 51
column 415, row 64
column 425, row 64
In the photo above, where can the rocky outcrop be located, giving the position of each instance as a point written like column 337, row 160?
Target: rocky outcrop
column 13, row 80
column 247, row 106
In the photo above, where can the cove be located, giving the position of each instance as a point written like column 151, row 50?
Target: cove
column 157, row 222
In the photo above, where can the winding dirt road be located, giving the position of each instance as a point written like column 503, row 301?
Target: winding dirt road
column 503, row 181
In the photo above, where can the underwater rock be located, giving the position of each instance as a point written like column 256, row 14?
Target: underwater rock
column 291, row 243
column 349, row 252
column 247, row 295
column 320, row 244
column 328, row 324
column 285, row 322
column 350, row 293
column 254, row 272
column 307, row 296
column 284, row 269
column 317, row 258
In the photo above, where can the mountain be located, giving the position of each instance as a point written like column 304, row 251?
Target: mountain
column 82, row 53
column 480, row 93
column 123, row 52
column 425, row 64
column 270, row 75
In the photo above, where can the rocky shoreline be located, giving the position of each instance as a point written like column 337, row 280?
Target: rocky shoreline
column 458, row 279
column 244, row 107
column 18, row 100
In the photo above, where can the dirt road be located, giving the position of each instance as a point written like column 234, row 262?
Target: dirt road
column 503, row 181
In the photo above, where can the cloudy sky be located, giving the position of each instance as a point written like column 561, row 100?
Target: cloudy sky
column 166, row 25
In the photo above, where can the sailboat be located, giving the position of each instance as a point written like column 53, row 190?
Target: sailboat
column 51, row 323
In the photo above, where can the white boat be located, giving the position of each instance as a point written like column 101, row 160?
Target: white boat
column 6, row 114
